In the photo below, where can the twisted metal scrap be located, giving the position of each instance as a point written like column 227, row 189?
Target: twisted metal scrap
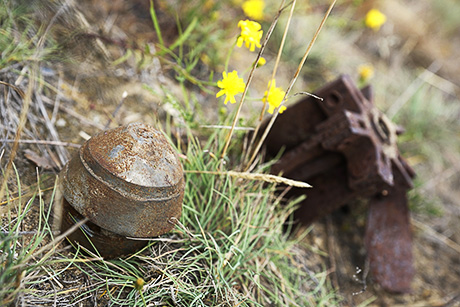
column 346, row 149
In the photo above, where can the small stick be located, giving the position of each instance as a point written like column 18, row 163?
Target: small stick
column 17, row 89
column 22, row 121
column 440, row 237
column 275, row 68
column 291, row 84
column 227, row 127
column 251, row 75
column 72, row 113
column 309, row 94
column 123, row 97
column 62, row 153
column 42, row 142
column 412, row 88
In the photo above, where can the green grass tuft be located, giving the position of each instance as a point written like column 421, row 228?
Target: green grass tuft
column 229, row 249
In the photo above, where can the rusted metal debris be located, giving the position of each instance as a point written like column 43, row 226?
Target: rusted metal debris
column 346, row 149
column 128, row 182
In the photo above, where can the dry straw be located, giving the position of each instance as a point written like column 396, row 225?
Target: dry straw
column 260, row 177
column 291, row 84
column 251, row 75
column 275, row 68
column 294, row 78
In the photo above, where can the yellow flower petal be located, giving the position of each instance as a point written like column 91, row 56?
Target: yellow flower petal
column 239, row 41
column 261, row 62
column 220, row 93
column 254, row 9
column 251, row 34
column 230, row 85
column 375, row 19
column 366, row 72
column 274, row 96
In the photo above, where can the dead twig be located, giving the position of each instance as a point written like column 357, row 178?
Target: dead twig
column 62, row 152
column 22, row 121
column 123, row 97
column 438, row 236
column 43, row 142
column 251, row 75
column 412, row 88
column 76, row 115
column 17, row 89
column 291, row 84
column 275, row 68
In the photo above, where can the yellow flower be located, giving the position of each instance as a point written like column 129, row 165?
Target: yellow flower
column 261, row 62
column 251, row 34
column 366, row 71
column 254, row 9
column 230, row 85
column 375, row 19
column 274, row 98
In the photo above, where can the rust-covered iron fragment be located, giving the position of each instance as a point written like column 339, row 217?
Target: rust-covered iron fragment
column 127, row 180
column 388, row 241
column 129, row 183
column 346, row 149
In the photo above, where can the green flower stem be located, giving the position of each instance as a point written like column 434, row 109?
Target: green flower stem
column 142, row 297
column 155, row 23
column 227, row 60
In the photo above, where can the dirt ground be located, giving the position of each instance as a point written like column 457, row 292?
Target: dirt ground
column 96, row 88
